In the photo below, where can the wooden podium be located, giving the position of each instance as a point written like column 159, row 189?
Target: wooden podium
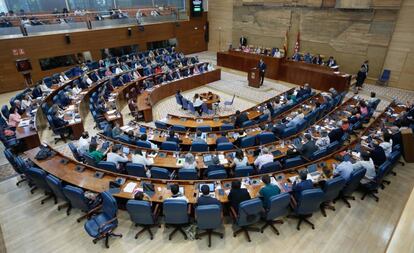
column 254, row 78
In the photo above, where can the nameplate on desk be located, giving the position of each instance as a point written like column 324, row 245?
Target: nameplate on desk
column 80, row 168
column 99, row 174
column 162, row 154
column 120, row 180
column 64, row 161
column 199, row 120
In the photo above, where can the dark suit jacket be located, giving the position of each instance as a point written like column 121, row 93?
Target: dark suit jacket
column 336, row 135
column 58, row 122
column 378, row 155
column 243, row 41
column 301, row 186
column 240, row 119
column 262, row 67
column 174, row 139
column 236, row 196
column 207, row 200
column 308, row 148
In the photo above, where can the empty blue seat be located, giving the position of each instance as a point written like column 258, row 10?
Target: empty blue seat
column 224, row 146
column 160, row 173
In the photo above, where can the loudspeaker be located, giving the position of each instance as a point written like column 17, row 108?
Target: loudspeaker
column 206, row 32
column 67, row 38
column 129, row 31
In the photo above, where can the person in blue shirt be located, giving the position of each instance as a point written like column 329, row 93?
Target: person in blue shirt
column 304, row 184
column 267, row 191
column 344, row 169
column 206, row 199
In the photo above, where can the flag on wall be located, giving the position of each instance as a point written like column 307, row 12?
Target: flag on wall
column 297, row 45
column 285, row 44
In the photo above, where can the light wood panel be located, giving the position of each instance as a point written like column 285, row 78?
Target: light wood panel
column 220, row 18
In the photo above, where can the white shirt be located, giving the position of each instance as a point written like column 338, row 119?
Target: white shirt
column 25, row 103
column 240, row 163
column 369, row 166
column 198, row 102
column 180, row 196
column 63, row 78
column 263, row 159
column 44, row 88
column 140, row 159
column 118, row 71
column 323, row 142
column 387, row 147
column 115, row 158
column 83, row 144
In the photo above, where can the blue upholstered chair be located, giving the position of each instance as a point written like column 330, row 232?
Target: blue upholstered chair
column 308, row 202
column 108, row 166
column 77, row 199
column 89, row 159
column 247, row 123
column 226, row 127
column 293, row 162
column 161, row 125
column 369, row 189
column 38, row 177
column 143, row 144
column 57, row 188
column 141, row 214
column 278, row 206
column 249, row 213
column 224, row 146
column 331, row 190
column 199, row 146
column 204, row 129
column 135, row 169
column 101, row 225
column 169, row 145
column 243, row 171
column 75, row 152
column 208, row 218
column 264, row 138
column 178, row 128
column 351, row 186
column 187, row 174
column 270, row 167
column 288, row 131
column 160, row 173
column 217, row 174
column 176, row 214
column 18, row 168
column 248, row 141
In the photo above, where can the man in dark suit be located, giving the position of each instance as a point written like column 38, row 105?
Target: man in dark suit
column 309, row 147
column 336, row 134
column 237, row 195
column 304, row 184
column 206, row 199
column 37, row 92
column 172, row 137
column 240, row 118
column 243, row 41
column 222, row 138
column 262, row 70
column 377, row 154
column 317, row 60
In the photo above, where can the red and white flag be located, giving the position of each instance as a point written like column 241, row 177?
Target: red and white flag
column 297, row 45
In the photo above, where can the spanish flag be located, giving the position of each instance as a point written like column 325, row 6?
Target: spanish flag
column 285, row 44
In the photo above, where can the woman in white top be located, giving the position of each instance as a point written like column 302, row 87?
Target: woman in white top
column 366, row 163
column 197, row 103
column 238, row 160
column 139, row 158
column 323, row 141
column 63, row 77
column 26, row 102
column 386, row 145
column 189, row 162
column 84, row 142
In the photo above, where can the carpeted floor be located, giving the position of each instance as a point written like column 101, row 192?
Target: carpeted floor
column 6, row 171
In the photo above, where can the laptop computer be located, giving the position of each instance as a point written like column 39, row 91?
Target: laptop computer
column 313, row 170
column 125, row 150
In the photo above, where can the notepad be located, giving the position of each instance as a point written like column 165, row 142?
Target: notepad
column 130, row 187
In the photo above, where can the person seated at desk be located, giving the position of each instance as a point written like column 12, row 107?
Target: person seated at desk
column 108, row 71
column 337, row 133
column 136, row 75
column 240, row 118
column 264, row 158
column 176, row 194
column 116, row 156
column 366, row 163
column 14, row 118
column 197, row 103
column 189, row 162
column 377, row 153
column 268, row 110
column 84, row 142
column 322, row 141
column 267, row 191
column 187, row 72
column 64, row 99
column 355, row 117
column 17, row 104
column 165, row 69
column 307, row 58
column 304, row 184
column 387, row 143
column 344, row 169
column 206, row 199
column 75, row 90
column 129, row 137
column 57, row 121
column 317, row 60
column 276, row 104
column 37, row 91
column 196, row 70
column 170, row 76
column 308, row 148
column 209, row 66
column 86, row 80
column 222, row 138
column 237, row 195
column 296, row 120
column 296, row 57
column 373, row 99
column 172, row 137
column 199, row 137
column 276, row 53
column 139, row 158
column 97, row 154
column 363, row 108
column 63, row 78
column 144, row 138
column 215, row 165
column 157, row 70
column 238, row 160
column 116, row 131
column 148, row 83
column 331, row 62
column 125, row 67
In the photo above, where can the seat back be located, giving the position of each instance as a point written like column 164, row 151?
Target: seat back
column 266, row 138
column 109, row 166
column 56, row 185
column 309, row 201
column 332, row 188
column 247, row 141
column 270, row 167
column 178, row 128
column 225, row 127
column 286, row 132
column 208, row 216
column 249, row 212
column 75, row 152
column 217, row 174
column 5, row 112
column 169, row 145
column 38, row 177
column 243, row 171
column 135, row 169
column 293, row 162
column 204, row 129
column 89, row 159
column 143, row 144
column 187, row 174
column 140, row 212
column 224, row 146
column 76, row 197
column 353, row 182
column 175, row 211
column 247, row 123
column 160, row 173
column 160, row 125
column 109, row 205
column 199, row 146
column 279, row 205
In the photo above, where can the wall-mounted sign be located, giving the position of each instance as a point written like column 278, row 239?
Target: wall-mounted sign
column 196, row 8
